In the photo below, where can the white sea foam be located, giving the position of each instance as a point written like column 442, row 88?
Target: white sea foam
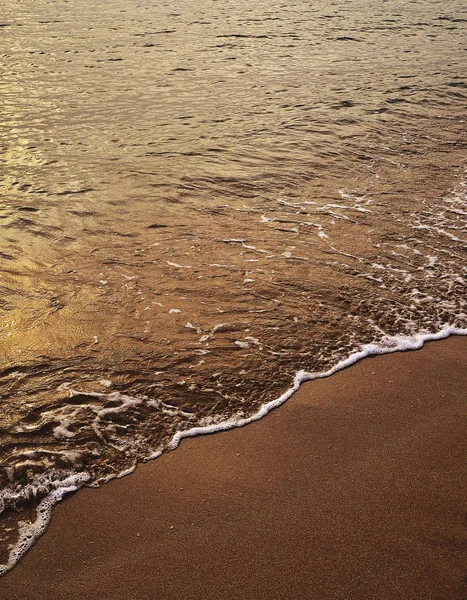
column 30, row 532
column 60, row 486
column 385, row 346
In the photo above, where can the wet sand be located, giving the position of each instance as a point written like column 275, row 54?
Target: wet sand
column 354, row 489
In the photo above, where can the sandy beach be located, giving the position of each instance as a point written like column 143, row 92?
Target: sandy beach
column 353, row 489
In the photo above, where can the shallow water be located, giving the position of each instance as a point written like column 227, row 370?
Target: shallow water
column 199, row 200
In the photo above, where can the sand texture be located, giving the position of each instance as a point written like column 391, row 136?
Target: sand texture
column 353, row 490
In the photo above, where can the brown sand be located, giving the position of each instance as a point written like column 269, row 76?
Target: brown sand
column 352, row 490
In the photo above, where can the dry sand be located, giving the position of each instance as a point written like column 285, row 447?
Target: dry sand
column 352, row 490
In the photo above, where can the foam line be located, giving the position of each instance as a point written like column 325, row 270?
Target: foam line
column 30, row 533
column 387, row 345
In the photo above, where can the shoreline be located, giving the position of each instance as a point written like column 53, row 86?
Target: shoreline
column 75, row 481
column 350, row 490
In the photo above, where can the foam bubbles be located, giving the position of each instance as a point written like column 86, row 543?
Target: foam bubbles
column 387, row 345
column 30, row 532
column 57, row 484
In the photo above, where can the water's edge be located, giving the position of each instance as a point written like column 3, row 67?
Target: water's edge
column 29, row 534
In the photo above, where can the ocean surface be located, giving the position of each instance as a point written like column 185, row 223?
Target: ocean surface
column 204, row 203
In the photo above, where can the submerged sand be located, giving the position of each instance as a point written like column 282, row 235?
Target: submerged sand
column 353, row 489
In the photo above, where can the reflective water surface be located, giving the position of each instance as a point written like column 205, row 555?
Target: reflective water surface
column 199, row 199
